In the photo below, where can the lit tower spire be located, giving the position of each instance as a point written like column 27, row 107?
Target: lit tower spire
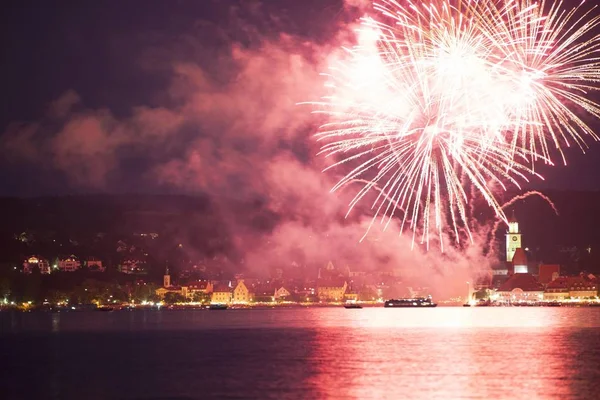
column 167, row 277
column 513, row 237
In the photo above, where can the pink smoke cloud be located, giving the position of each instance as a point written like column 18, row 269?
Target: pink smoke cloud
column 362, row 5
column 63, row 105
column 17, row 142
column 84, row 147
column 262, row 95
column 250, row 138
column 86, row 143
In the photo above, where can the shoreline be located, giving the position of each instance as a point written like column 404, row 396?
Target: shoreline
column 266, row 306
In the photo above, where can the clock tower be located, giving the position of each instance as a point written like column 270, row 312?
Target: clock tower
column 513, row 238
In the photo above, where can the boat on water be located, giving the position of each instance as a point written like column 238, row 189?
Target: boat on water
column 218, row 307
column 352, row 305
column 416, row 302
column 105, row 308
column 467, row 305
column 553, row 304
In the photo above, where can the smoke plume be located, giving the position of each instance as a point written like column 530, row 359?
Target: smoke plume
column 232, row 127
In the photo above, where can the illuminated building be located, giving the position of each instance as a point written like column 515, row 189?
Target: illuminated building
column 282, row 293
column 169, row 288
column 548, row 273
column 519, row 261
column 557, row 290
column 351, row 295
column 520, row 287
column 571, row 288
column 222, row 294
column 581, row 288
column 36, row 262
column 331, row 289
column 94, row 264
column 513, row 238
column 199, row 287
column 264, row 294
column 167, row 278
column 512, row 265
column 241, row 293
column 330, row 271
column 133, row 267
column 331, row 284
column 161, row 292
column 351, row 273
column 69, row 264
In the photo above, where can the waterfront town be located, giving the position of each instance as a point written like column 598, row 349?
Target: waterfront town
column 514, row 281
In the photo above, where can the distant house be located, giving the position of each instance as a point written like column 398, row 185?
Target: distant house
column 241, row 293
column 161, row 292
column 351, row 295
column 122, row 246
column 548, row 272
column 558, row 289
column 581, row 288
column 277, row 273
column 331, row 289
column 151, row 235
column 222, row 294
column 200, row 287
column 353, row 273
column 94, row 264
column 329, row 272
column 571, row 287
column 417, row 291
column 133, row 267
column 169, row 288
column 521, row 287
column 519, row 261
column 69, row 264
column 264, row 294
column 36, row 262
column 282, row 294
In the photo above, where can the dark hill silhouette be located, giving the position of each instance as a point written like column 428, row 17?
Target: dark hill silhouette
column 199, row 223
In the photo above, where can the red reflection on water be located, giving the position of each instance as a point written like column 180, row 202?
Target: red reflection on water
column 447, row 354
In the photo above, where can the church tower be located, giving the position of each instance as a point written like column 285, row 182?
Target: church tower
column 513, row 238
column 167, row 278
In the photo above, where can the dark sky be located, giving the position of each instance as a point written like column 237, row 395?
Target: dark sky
column 94, row 99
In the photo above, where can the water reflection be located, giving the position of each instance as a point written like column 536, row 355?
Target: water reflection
column 453, row 358
column 444, row 353
column 55, row 322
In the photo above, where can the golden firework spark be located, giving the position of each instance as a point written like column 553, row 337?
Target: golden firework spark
column 442, row 94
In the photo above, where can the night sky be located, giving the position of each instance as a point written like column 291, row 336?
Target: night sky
column 175, row 96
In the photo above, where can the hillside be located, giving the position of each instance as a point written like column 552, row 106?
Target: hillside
column 94, row 224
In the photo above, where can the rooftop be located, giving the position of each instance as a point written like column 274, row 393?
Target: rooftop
column 520, row 258
column 525, row 282
column 220, row 287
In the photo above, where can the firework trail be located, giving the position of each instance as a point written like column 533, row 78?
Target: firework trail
column 491, row 234
column 550, row 63
column 443, row 95
column 529, row 194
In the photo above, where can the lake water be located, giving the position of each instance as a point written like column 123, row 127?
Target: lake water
column 312, row 353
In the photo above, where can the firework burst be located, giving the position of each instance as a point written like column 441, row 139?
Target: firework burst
column 550, row 61
column 442, row 95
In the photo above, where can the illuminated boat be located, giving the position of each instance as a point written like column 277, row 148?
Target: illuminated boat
column 352, row 305
column 417, row 302
column 105, row 308
column 218, row 307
